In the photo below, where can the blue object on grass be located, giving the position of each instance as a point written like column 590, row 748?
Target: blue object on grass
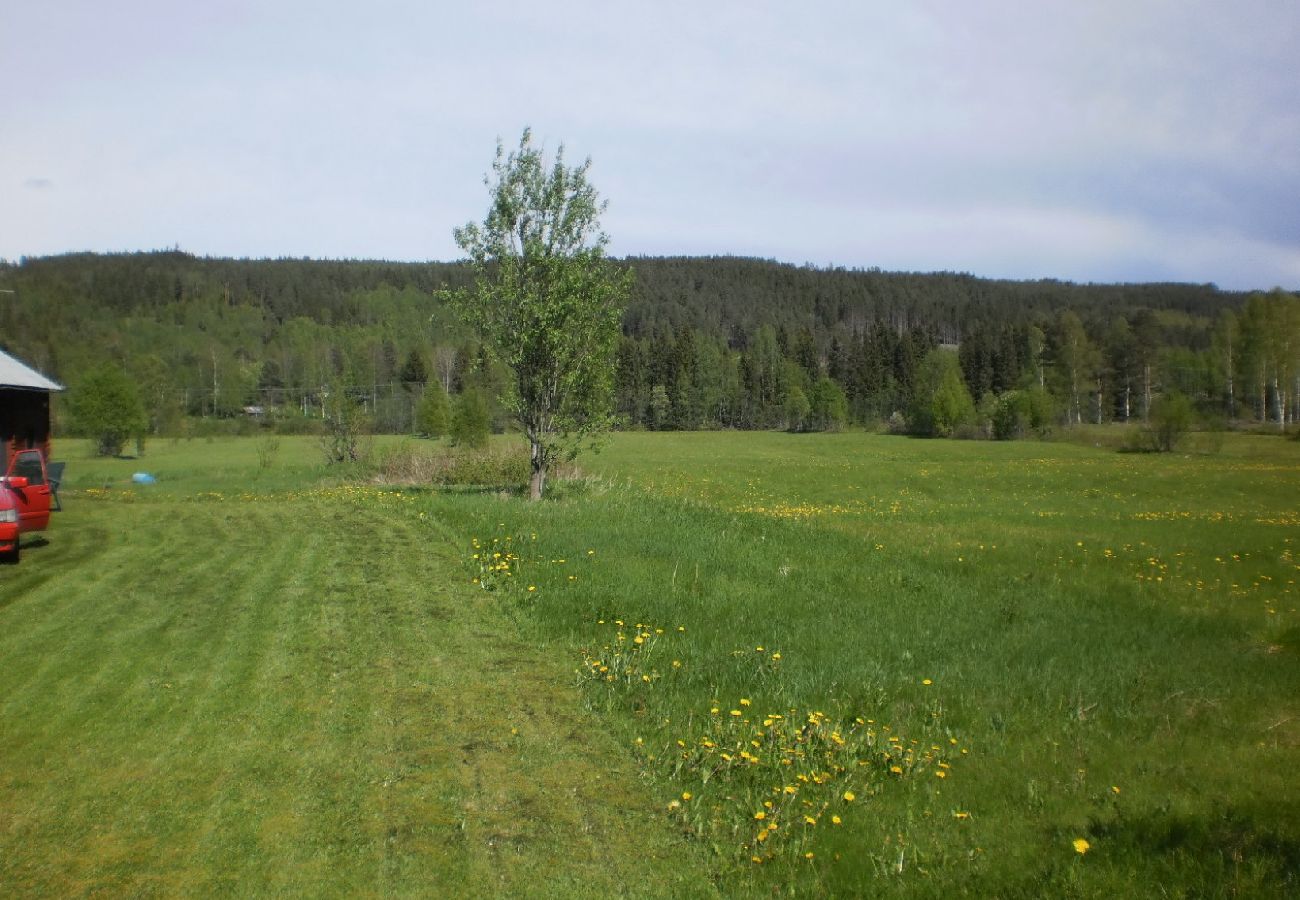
column 143, row 478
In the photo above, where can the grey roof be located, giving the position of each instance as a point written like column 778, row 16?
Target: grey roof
column 15, row 374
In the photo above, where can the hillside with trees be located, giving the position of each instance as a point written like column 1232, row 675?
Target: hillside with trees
column 719, row 342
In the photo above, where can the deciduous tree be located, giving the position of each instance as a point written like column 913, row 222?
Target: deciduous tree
column 546, row 300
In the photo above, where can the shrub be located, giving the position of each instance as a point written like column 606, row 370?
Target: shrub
column 433, row 416
column 1171, row 418
column 471, row 421
column 345, row 424
column 829, row 407
column 106, row 406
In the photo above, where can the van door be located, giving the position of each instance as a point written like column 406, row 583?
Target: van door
column 33, row 500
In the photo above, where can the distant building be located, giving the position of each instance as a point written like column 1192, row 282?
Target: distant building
column 24, row 409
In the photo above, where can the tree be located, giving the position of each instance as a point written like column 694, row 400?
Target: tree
column 470, row 420
column 1170, row 420
column 546, row 300
column 795, row 408
column 106, row 406
column 829, row 408
column 434, row 412
column 345, row 424
column 941, row 402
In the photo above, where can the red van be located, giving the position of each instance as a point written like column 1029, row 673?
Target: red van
column 24, row 500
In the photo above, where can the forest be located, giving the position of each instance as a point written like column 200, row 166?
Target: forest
column 720, row 342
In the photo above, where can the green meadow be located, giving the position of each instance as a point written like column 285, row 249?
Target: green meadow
column 709, row 663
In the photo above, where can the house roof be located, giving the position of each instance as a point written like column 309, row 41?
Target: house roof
column 14, row 374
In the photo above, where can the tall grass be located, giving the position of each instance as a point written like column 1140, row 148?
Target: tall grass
column 1098, row 633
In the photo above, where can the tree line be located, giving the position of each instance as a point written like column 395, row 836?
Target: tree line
column 719, row 342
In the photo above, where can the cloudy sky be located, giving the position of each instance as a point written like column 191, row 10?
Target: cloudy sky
column 1090, row 141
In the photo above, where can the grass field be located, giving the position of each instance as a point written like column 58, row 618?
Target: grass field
column 976, row 660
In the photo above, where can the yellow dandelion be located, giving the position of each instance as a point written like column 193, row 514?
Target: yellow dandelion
column 850, row 796
column 1081, row 846
column 686, row 795
column 761, row 814
column 836, row 820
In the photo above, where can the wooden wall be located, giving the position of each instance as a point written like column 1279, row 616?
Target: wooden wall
column 24, row 422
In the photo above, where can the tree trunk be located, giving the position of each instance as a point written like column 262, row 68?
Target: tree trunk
column 1146, row 393
column 1232, row 397
column 537, row 483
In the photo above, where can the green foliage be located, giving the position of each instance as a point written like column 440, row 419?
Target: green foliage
column 1172, row 416
column 829, row 408
column 433, row 416
column 795, row 408
column 941, row 402
column 106, row 406
column 345, row 422
column 1021, row 413
column 660, row 407
column 471, row 420
column 546, row 301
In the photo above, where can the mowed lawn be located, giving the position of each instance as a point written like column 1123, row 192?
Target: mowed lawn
column 279, row 678
column 207, row 692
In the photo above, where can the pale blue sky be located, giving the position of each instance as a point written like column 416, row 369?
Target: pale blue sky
column 1091, row 141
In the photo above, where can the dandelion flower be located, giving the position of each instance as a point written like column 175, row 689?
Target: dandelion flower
column 1081, row 846
column 686, row 795
column 927, row 681
column 850, row 796
column 836, row 820
column 761, row 814
column 531, row 588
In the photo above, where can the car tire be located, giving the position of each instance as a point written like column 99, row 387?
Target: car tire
column 12, row 556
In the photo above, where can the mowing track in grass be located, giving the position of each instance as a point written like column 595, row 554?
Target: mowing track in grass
column 296, row 697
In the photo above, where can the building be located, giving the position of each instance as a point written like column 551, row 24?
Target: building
column 24, row 409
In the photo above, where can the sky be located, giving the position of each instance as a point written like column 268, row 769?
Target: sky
column 1141, row 140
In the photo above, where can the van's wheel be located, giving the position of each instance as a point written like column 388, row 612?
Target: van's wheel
column 12, row 556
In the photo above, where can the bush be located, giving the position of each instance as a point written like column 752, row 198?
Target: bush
column 1171, row 418
column 795, row 408
column 434, row 413
column 829, row 407
column 1017, row 413
column 106, row 406
column 345, row 424
column 471, row 421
